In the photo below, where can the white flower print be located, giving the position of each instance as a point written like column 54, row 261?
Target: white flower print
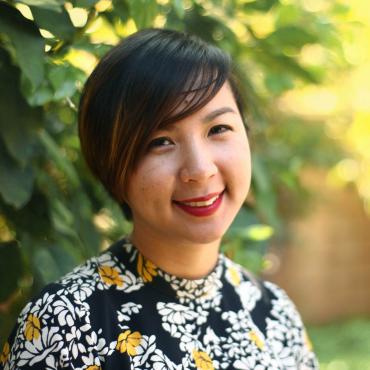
column 51, row 363
column 81, row 291
column 111, row 274
column 162, row 362
column 212, row 341
column 76, row 342
column 174, row 313
column 127, row 310
column 245, row 363
column 91, row 360
column 43, row 306
column 104, row 315
column 64, row 311
column 95, row 340
column 238, row 320
column 187, row 339
column 210, row 338
column 285, row 334
column 249, row 294
column 144, row 350
column 200, row 289
column 36, row 350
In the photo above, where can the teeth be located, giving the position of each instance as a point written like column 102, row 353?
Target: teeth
column 202, row 204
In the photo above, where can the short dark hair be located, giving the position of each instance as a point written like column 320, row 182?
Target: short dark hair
column 138, row 87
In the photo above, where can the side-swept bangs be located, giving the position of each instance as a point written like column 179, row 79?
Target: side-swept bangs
column 149, row 80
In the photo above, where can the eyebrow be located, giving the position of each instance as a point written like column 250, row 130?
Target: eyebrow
column 209, row 117
column 217, row 112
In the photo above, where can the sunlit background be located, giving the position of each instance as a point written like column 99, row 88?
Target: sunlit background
column 309, row 228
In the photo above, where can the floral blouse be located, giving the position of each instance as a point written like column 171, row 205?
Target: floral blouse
column 119, row 311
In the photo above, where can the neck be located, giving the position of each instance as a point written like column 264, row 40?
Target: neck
column 182, row 258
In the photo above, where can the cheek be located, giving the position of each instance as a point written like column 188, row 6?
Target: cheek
column 149, row 185
column 237, row 159
column 236, row 168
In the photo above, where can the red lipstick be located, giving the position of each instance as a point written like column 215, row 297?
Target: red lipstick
column 201, row 210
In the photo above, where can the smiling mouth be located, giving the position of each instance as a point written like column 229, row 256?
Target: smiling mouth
column 205, row 201
column 203, row 206
column 202, row 203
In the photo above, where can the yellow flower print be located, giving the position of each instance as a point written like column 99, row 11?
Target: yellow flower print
column 127, row 342
column 93, row 367
column 32, row 330
column 110, row 275
column 202, row 360
column 256, row 339
column 5, row 353
column 234, row 276
column 146, row 269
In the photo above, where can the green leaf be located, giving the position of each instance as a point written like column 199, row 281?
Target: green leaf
column 11, row 268
column 37, row 208
column 55, row 5
column 45, row 265
column 280, row 63
column 288, row 14
column 287, row 64
column 178, row 5
column 80, row 206
column 243, row 219
column 16, row 183
column 278, row 82
column 121, row 10
column 18, row 121
column 247, row 227
column 85, row 3
column 55, row 154
column 44, row 94
column 66, row 255
column 291, row 36
column 251, row 259
column 265, row 192
column 64, row 80
column 56, row 22
column 62, row 218
column 260, row 5
column 143, row 12
column 258, row 232
column 261, row 177
column 27, row 42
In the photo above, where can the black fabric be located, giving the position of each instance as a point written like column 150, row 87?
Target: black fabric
column 120, row 311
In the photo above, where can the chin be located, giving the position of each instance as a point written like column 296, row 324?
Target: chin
column 205, row 239
column 206, row 234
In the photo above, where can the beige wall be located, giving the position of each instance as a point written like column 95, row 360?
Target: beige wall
column 325, row 267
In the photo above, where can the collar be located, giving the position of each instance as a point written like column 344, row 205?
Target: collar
column 181, row 289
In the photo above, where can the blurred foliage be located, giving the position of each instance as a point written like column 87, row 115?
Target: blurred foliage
column 343, row 346
column 53, row 214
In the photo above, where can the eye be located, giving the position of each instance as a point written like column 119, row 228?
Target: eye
column 159, row 142
column 219, row 129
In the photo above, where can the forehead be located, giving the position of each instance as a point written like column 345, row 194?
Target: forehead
column 222, row 103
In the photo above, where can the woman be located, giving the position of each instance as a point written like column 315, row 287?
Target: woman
column 161, row 127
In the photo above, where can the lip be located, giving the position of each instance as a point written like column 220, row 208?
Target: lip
column 202, row 211
column 199, row 199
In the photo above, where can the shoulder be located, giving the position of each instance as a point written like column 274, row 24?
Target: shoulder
column 61, row 302
column 56, row 329
column 77, row 290
column 274, row 314
column 244, row 281
column 257, row 293
column 107, row 272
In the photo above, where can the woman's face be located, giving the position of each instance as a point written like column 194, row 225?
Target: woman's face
column 194, row 176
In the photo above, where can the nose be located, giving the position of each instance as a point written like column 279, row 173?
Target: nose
column 198, row 164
